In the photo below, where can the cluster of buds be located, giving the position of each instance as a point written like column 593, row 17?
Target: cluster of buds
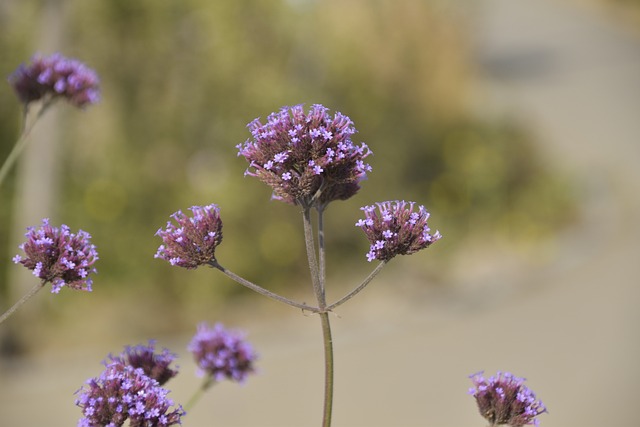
column 192, row 241
column 504, row 399
column 55, row 76
column 155, row 365
column 394, row 228
column 307, row 159
column 221, row 354
column 57, row 256
column 127, row 392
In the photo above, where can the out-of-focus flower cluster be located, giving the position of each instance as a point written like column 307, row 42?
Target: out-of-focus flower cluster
column 56, row 76
column 193, row 240
column 222, row 354
column 504, row 399
column 307, row 159
column 58, row 256
column 394, row 228
column 125, row 391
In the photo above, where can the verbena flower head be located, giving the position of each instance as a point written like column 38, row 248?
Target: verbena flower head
column 307, row 159
column 222, row 354
column 395, row 228
column 55, row 76
column 124, row 392
column 191, row 241
column 504, row 399
column 154, row 365
column 58, row 256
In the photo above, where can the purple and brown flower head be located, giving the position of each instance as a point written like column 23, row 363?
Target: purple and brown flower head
column 222, row 354
column 154, row 365
column 55, row 76
column 59, row 257
column 124, row 392
column 191, row 241
column 307, row 159
column 395, row 228
column 503, row 399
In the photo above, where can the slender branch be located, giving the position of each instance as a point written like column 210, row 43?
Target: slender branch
column 321, row 257
column 357, row 290
column 22, row 300
column 311, row 256
column 21, row 143
column 208, row 382
column 328, row 369
column 261, row 290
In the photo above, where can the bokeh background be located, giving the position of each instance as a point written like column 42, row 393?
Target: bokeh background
column 514, row 123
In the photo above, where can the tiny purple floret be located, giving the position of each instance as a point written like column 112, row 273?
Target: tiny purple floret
column 394, row 228
column 57, row 256
column 504, row 399
column 55, row 76
column 222, row 354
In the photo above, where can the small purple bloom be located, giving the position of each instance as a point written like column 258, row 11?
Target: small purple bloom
column 504, row 399
column 57, row 256
column 154, row 365
column 124, row 392
column 191, row 242
column 396, row 229
column 222, row 354
column 307, row 159
column 56, row 76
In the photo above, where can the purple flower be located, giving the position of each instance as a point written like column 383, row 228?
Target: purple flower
column 59, row 257
column 56, row 76
column 222, row 354
column 394, row 228
column 124, row 392
column 192, row 241
column 504, row 399
column 307, row 159
column 154, row 365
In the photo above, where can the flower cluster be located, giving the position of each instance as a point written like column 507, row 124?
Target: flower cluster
column 307, row 159
column 394, row 228
column 124, row 392
column 192, row 242
column 58, row 256
column 154, row 365
column 56, row 76
column 504, row 399
column 222, row 354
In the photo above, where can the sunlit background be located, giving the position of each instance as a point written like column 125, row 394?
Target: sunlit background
column 512, row 122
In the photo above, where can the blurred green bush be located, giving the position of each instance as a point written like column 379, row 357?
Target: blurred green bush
column 182, row 78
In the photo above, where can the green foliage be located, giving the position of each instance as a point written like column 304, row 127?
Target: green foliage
column 182, row 78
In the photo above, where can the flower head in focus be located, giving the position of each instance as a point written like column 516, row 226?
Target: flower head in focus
column 504, row 399
column 222, row 354
column 394, row 228
column 57, row 256
column 124, row 392
column 307, row 159
column 155, row 365
column 55, row 76
column 191, row 241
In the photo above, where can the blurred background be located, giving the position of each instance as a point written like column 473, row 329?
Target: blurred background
column 514, row 122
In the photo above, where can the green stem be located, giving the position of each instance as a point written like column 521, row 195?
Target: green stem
column 22, row 300
column 357, row 290
column 208, row 382
column 21, row 143
column 261, row 290
column 328, row 369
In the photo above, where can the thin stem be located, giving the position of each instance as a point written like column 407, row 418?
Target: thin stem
column 261, row 290
column 328, row 369
column 208, row 382
column 357, row 290
column 22, row 300
column 21, row 143
column 311, row 256
column 321, row 256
